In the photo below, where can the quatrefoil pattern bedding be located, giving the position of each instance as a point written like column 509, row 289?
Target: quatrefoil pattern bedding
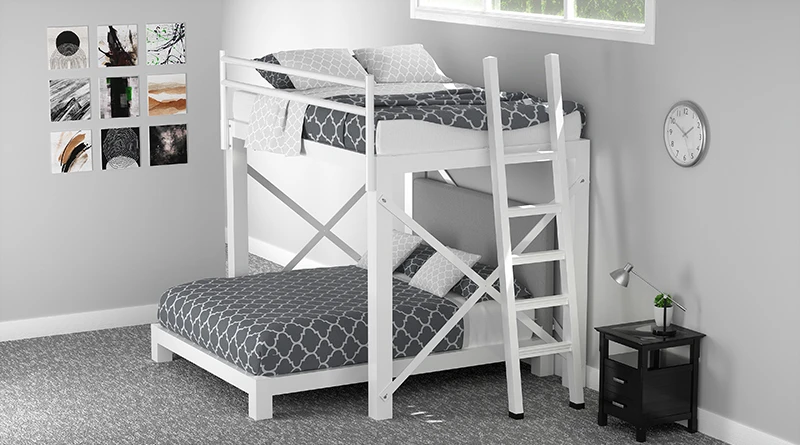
column 279, row 323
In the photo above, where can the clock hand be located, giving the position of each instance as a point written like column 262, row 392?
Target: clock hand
column 679, row 127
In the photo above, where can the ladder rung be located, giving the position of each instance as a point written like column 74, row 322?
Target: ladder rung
column 545, row 349
column 533, row 210
column 538, row 257
column 517, row 155
column 541, row 302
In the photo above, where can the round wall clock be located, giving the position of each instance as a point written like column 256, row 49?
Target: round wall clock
column 685, row 133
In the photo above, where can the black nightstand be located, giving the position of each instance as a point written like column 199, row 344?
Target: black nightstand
column 653, row 384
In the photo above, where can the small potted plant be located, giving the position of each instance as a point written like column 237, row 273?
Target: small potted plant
column 662, row 301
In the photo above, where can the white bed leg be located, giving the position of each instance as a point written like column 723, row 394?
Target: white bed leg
column 379, row 322
column 260, row 402
column 158, row 353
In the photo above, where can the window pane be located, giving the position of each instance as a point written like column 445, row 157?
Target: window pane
column 454, row 4
column 630, row 11
column 548, row 7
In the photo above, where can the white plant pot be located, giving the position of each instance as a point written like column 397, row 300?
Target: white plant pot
column 658, row 315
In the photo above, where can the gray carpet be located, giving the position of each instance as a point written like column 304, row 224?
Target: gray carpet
column 101, row 388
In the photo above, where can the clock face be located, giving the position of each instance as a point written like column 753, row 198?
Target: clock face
column 685, row 134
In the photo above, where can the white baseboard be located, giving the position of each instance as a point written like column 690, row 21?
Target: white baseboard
column 711, row 424
column 81, row 322
column 280, row 255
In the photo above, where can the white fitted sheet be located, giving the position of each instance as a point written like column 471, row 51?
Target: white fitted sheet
column 483, row 323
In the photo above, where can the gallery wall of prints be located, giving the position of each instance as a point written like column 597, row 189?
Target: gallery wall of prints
column 134, row 84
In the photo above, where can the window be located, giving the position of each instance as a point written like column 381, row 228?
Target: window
column 622, row 20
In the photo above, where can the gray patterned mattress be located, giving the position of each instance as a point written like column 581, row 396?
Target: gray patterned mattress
column 279, row 323
column 463, row 107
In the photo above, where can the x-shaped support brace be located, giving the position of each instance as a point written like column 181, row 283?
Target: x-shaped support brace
column 484, row 287
column 323, row 230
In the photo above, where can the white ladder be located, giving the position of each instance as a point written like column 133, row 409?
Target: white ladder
column 560, row 209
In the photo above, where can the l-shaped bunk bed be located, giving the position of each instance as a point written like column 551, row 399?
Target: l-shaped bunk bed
column 299, row 330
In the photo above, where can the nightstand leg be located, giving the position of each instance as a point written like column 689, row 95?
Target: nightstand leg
column 695, row 353
column 602, row 417
column 641, row 434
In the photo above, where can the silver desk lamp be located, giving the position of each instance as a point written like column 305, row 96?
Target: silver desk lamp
column 623, row 277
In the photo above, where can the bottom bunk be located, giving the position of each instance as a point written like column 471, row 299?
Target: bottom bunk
column 294, row 331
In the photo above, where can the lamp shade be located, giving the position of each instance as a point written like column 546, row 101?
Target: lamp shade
column 623, row 276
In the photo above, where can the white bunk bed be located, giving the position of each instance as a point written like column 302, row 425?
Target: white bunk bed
column 389, row 168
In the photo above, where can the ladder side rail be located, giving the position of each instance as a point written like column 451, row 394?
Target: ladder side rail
column 503, row 235
column 575, row 365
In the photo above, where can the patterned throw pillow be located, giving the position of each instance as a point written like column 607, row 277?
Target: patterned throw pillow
column 334, row 61
column 467, row 287
column 402, row 246
column 278, row 80
column 411, row 265
column 438, row 275
column 401, row 64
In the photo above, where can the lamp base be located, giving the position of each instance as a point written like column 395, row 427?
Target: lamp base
column 659, row 331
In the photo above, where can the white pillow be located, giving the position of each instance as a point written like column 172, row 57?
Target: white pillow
column 402, row 246
column 334, row 61
column 438, row 275
column 400, row 64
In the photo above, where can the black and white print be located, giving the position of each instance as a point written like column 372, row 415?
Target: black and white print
column 166, row 44
column 120, row 148
column 279, row 323
column 119, row 97
column 68, row 48
column 71, row 151
column 70, row 100
column 118, row 45
column 168, row 145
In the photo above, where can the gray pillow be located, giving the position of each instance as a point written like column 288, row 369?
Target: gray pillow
column 438, row 275
column 334, row 61
column 401, row 64
column 279, row 81
column 402, row 246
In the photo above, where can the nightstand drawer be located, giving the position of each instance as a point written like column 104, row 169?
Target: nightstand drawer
column 621, row 379
column 621, row 409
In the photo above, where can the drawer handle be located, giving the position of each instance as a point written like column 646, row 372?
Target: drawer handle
column 619, row 380
column 618, row 405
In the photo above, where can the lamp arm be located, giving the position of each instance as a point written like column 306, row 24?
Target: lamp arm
column 657, row 290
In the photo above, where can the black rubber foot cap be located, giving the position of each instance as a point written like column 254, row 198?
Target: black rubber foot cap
column 516, row 416
column 577, row 405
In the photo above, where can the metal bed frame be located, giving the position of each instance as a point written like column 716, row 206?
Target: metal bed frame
column 383, row 172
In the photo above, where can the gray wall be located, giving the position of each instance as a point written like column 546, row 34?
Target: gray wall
column 103, row 239
column 699, row 233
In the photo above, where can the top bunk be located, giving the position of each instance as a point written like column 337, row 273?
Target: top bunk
column 302, row 103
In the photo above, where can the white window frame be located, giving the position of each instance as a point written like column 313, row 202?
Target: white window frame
column 569, row 25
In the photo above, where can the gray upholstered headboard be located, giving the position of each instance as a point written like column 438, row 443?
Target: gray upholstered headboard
column 464, row 219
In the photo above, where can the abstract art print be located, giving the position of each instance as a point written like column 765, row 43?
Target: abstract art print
column 166, row 94
column 166, row 44
column 67, row 48
column 168, row 145
column 71, row 151
column 119, row 97
column 70, row 100
column 118, row 45
column 120, row 148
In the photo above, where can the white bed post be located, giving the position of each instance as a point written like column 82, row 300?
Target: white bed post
column 379, row 246
column 235, row 187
